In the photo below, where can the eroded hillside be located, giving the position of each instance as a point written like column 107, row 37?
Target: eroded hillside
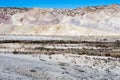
column 99, row 20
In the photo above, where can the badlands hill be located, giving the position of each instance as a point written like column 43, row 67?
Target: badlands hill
column 99, row 20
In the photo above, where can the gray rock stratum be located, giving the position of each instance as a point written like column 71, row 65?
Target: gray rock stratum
column 99, row 20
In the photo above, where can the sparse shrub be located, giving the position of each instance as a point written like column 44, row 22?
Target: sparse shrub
column 107, row 54
column 66, row 72
column 62, row 64
column 51, row 53
column 50, row 57
column 32, row 70
column 81, row 70
column 63, row 68
column 15, row 52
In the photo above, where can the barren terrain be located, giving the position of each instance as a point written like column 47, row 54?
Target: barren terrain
column 60, row 44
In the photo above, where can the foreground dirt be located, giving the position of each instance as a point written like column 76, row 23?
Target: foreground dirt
column 58, row 67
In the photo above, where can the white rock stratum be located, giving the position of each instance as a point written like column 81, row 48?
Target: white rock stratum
column 97, row 21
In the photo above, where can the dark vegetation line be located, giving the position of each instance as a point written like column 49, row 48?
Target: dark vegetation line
column 57, row 41
column 103, row 48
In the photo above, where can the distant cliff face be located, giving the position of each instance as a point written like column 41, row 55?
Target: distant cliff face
column 101, row 20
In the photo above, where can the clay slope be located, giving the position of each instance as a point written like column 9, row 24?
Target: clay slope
column 100, row 20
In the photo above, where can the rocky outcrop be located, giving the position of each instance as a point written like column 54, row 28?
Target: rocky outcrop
column 12, row 10
column 99, row 20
